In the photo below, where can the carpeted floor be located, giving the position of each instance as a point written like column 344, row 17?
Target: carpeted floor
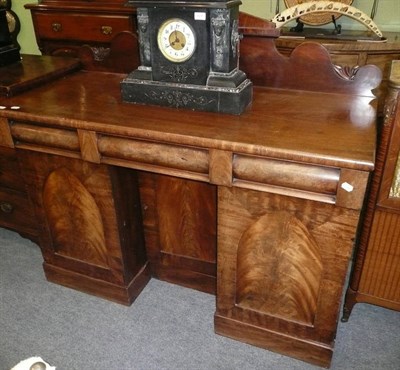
column 168, row 327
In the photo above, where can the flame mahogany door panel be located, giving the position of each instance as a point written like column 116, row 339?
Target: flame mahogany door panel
column 180, row 227
column 90, row 225
column 282, row 263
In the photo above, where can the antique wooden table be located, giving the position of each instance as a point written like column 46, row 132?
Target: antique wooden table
column 261, row 209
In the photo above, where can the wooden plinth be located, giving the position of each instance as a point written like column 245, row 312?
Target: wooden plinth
column 304, row 350
column 124, row 294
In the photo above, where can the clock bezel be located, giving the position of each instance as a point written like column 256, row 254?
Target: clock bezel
column 160, row 44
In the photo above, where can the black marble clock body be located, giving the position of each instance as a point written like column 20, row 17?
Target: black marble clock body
column 9, row 53
column 210, row 79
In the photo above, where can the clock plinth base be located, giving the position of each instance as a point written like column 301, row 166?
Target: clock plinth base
column 194, row 97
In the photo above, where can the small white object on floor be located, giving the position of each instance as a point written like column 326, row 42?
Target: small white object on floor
column 33, row 363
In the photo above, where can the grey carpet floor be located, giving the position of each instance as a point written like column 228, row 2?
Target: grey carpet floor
column 167, row 327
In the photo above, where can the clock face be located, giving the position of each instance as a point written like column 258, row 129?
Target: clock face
column 176, row 40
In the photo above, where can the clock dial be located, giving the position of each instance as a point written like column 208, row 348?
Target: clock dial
column 176, row 40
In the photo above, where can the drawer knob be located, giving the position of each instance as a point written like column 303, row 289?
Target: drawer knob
column 57, row 27
column 106, row 30
column 6, row 207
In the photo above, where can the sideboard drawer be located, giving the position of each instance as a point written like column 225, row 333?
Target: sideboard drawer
column 16, row 212
column 286, row 174
column 10, row 176
column 80, row 26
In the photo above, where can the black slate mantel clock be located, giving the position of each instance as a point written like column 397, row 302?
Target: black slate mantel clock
column 189, row 55
column 9, row 28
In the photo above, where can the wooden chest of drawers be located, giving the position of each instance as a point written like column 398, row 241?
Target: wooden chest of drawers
column 62, row 27
column 16, row 212
column 79, row 26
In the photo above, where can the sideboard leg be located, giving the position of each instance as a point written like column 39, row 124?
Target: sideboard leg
column 349, row 302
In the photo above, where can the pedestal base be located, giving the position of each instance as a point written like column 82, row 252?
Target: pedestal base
column 123, row 294
column 194, row 97
column 306, row 350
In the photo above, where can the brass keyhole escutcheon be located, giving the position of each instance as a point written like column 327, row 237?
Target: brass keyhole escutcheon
column 106, row 30
column 6, row 207
column 57, row 27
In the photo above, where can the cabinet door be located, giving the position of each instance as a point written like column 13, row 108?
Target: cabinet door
column 282, row 263
column 89, row 223
column 180, row 228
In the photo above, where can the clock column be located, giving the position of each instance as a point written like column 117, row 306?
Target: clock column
column 224, row 29
column 144, row 70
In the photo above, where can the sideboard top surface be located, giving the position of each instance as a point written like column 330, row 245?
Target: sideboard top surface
column 321, row 128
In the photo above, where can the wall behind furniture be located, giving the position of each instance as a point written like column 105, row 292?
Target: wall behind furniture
column 26, row 37
column 387, row 17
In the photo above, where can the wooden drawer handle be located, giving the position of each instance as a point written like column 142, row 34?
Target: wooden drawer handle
column 6, row 207
column 57, row 27
column 106, row 30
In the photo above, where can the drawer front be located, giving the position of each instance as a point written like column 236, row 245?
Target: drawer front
column 10, row 176
column 80, row 26
column 167, row 159
column 16, row 212
column 32, row 135
column 342, row 59
column 284, row 174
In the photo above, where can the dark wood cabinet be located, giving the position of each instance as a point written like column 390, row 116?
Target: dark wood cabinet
column 376, row 274
column 62, row 27
column 16, row 211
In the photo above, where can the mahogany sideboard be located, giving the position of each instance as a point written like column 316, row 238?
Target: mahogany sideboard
column 261, row 209
column 376, row 271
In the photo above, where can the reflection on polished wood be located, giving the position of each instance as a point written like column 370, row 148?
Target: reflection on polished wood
column 32, row 72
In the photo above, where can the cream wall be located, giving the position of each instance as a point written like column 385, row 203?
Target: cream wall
column 387, row 18
column 26, row 37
